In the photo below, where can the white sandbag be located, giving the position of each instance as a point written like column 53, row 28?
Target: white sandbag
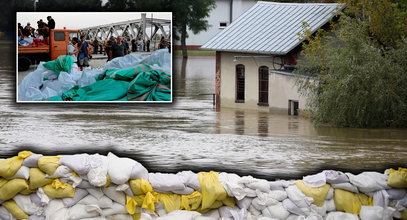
column 244, row 203
column 115, row 195
column 278, row 195
column 80, row 211
column 190, row 179
column 180, row 215
column 159, row 209
column 95, row 218
column 333, row 176
column 89, row 76
column 330, row 194
column 212, row 214
column 254, row 183
column 254, row 211
column 330, row 205
column 138, row 171
column 232, row 186
column 48, row 92
column 102, row 202
column 56, row 210
column 232, row 213
column 32, row 161
column 96, row 192
column 98, row 171
column 276, row 185
column 318, row 211
column 126, row 189
column 77, row 162
column 376, row 213
column 32, row 81
column 84, row 184
column 341, row 216
column 295, row 217
column 204, row 218
column 250, row 192
column 79, row 194
column 297, row 197
column 22, row 173
column 314, row 216
column 380, row 198
column 185, row 191
column 44, row 199
column 119, row 169
column 28, row 206
column 36, row 217
column 114, row 209
column 60, row 172
column 369, row 181
column 276, row 211
column 293, row 208
column 5, row 214
column 396, row 194
column 401, row 204
column 166, row 183
column 121, row 217
column 265, row 218
column 316, row 180
column 345, row 186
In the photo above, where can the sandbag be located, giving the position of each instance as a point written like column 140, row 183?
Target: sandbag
column 62, row 64
column 351, row 202
column 341, row 216
column 140, row 186
column 10, row 166
column 14, row 209
column 368, row 181
column 5, row 214
column 79, row 194
column 345, row 186
column 49, row 164
column 166, row 183
column 97, row 175
column 230, row 183
column 298, row 197
column 114, row 209
column 115, row 195
column 58, row 189
column 256, row 184
column 180, row 215
column 397, row 178
column 22, row 173
column 376, row 213
column 317, row 193
column 32, row 161
column 29, row 207
column 102, row 202
column 316, row 180
column 335, row 177
column 190, row 179
column 10, row 188
column 37, row 179
column 212, row 190
column 77, row 162
column 80, row 211
column 276, row 211
column 119, row 169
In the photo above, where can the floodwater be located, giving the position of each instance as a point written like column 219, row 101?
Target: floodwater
column 190, row 134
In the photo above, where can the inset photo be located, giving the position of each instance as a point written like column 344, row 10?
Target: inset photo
column 94, row 57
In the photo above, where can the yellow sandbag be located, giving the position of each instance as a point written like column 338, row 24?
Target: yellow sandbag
column 192, row 201
column 140, row 186
column 49, row 164
column 212, row 189
column 10, row 188
column 351, row 202
column 15, row 210
column 28, row 191
column 131, row 205
column 171, row 202
column 58, row 189
column 404, row 214
column 37, row 179
column 10, row 166
column 397, row 178
column 317, row 193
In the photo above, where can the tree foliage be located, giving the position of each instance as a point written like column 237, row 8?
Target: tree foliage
column 71, row 5
column 357, row 74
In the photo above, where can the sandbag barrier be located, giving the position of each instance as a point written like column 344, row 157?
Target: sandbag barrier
column 83, row 186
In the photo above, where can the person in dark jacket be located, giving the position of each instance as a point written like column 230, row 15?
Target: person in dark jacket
column 118, row 48
column 51, row 23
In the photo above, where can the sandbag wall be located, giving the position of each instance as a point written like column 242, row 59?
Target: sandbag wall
column 82, row 186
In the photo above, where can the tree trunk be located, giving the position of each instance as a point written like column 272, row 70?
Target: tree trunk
column 183, row 42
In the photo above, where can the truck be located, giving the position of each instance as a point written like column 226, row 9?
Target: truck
column 58, row 42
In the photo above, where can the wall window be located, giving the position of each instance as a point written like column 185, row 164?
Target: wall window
column 263, row 85
column 293, row 107
column 223, row 24
column 240, row 78
column 59, row 36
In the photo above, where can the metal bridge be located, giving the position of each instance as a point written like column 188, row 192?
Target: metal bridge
column 135, row 29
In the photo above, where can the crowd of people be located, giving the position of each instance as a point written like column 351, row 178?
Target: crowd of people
column 43, row 28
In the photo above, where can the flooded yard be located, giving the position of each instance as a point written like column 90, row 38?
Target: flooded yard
column 190, row 134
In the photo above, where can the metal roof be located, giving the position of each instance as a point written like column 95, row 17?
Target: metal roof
column 271, row 27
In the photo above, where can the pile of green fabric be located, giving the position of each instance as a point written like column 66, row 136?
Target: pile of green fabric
column 140, row 83
column 61, row 64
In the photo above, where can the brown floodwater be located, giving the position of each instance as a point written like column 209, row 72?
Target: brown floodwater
column 190, row 134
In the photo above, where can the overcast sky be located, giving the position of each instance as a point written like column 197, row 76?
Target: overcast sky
column 78, row 20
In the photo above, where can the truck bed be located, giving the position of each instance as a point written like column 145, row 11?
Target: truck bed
column 28, row 49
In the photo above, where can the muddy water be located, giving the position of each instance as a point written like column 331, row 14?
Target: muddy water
column 189, row 134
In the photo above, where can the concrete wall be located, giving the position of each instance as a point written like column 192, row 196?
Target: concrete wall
column 220, row 14
column 282, row 88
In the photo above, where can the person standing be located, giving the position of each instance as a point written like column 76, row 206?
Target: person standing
column 72, row 51
column 83, row 59
column 51, row 22
column 148, row 44
column 95, row 46
column 108, row 47
column 118, row 48
column 133, row 45
column 20, row 30
column 28, row 30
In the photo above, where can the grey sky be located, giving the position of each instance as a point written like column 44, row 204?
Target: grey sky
column 77, row 20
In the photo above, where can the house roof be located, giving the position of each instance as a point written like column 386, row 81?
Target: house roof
column 271, row 27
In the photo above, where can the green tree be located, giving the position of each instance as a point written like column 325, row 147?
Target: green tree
column 71, row 5
column 356, row 75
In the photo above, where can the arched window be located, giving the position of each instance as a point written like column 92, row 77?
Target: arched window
column 263, row 85
column 240, row 78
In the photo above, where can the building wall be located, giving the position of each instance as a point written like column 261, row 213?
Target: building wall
column 220, row 14
column 282, row 88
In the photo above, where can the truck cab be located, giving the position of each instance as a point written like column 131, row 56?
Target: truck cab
column 57, row 45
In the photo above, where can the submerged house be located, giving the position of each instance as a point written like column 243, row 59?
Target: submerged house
column 256, row 53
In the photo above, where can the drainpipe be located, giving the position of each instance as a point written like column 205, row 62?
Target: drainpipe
column 231, row 12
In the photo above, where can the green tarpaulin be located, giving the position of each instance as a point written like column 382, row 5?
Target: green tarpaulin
column 61, row 64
